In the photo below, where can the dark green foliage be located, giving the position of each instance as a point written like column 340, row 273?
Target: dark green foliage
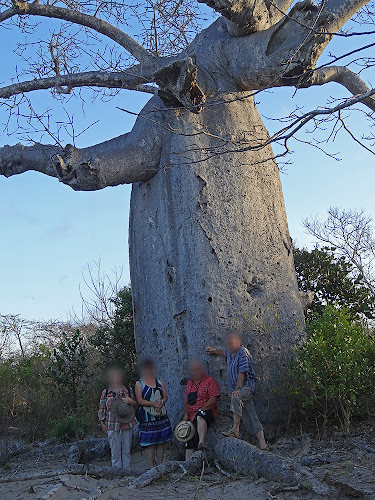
column 335, row 370
column 69, row 428
column 28, row 402
column 115, row 343
column 57, row 393
column 331, row 279
column 68, row 365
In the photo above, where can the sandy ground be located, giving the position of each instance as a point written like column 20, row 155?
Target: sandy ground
column 339, row 460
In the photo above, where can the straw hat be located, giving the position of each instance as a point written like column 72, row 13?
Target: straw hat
column 184, row 431
column 122, row 412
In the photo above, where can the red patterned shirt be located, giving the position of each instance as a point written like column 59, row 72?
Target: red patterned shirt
column 207, row 388
column 104, row 413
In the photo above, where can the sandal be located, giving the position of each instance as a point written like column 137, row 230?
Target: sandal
column 231, row 434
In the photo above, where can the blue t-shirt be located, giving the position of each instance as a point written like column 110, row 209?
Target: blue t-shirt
column 241, row 362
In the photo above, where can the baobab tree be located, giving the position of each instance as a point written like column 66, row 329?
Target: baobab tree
column 209, row 241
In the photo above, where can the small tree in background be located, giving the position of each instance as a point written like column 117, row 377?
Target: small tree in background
column 68, row 365
column 335, row 371
column 334, row 281
column 351, row 233
column 115, row 342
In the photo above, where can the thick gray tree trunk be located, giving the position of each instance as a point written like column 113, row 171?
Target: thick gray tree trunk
column 210, row 250
column 209, row 241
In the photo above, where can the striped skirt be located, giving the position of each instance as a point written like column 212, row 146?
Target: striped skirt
column 155, row 432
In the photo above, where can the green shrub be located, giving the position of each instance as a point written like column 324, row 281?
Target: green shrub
column 69, row 428
column 334, row 375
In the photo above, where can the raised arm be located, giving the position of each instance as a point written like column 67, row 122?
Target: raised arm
column 128, row 158
column 214, row 352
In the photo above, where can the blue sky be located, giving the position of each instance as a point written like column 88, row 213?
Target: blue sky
column 49, row 234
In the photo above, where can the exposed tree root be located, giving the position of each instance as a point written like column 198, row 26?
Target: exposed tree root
column 244, row 458
column 345, row 489
column 282, row 489
column 220, row 469
column 99, row 490
column 76, row 469
column 34, row 450
column 79, row 451
column 319, row 459
column 193, row 465
column 8, row 455
column 232, row 455
column 88, row 449
column 52, row 491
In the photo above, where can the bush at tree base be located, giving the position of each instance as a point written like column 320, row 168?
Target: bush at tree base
column 334, row 374
column 69, row 428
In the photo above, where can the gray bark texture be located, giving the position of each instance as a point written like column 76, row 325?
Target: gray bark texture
column 209, row 241
column 244, row 458
column 210, row 250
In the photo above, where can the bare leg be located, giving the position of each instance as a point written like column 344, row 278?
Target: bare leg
column 202, row 429
column 150, row 455
column 189, row 453
column 159, row 453
column 261, row 439
column 236, row 423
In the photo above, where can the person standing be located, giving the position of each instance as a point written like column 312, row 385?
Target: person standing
column 154, row 425
column 200, row 406
column 117, row 417
column 242, row 382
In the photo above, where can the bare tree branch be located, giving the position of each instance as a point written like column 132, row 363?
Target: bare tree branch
column 128, row 158
column 347, row 78
column 100, row 290
column 338, row 12
column 22, row 8
column 65, row 83
column 351, row 233
column 249, row 16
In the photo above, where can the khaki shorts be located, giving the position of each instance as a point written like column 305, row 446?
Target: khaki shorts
column 244, row 407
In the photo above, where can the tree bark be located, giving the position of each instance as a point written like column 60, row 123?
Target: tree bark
column 209, row 241
column 210, row 249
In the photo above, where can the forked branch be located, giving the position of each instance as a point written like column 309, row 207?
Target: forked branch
column 249, row 16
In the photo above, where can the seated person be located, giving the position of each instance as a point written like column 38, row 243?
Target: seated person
column 200, row 406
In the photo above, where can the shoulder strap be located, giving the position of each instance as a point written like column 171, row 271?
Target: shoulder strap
column 159, row 386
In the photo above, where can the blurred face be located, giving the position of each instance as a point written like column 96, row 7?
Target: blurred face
column 196, row 370
column 115, row 377
column 148, row 371
column 233, row 342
